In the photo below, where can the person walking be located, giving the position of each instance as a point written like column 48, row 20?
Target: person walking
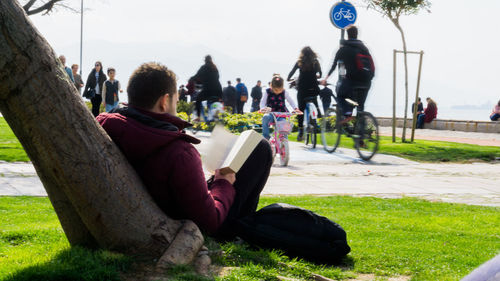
column 242, row 96
column 67, row 69
column 325, row 96
column 229, row 95
column 308, row 86
column 93, row 87
column 77, row 77
column 256, row 96
column 110, row 91
column 208, row 76
column 495, row 115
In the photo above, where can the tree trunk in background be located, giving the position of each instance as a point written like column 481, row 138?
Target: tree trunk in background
column 96, row 194
column 398, row 26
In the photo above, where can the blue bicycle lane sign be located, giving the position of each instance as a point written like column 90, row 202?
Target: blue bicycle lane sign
column 343, row 14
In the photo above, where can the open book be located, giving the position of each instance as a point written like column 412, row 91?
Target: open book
column 229, row 152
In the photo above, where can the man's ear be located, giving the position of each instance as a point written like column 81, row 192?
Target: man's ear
column 162, row 102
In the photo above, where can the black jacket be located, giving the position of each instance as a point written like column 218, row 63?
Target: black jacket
column 347, row 54
column 91, row 81
column 209, row 78
column 256, row 93
column 229, row 95
column 308, row 81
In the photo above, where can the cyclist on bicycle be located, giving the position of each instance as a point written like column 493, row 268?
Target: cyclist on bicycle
column 307, row 87
column 356, row 71
column 273, row 100
column 208, row 76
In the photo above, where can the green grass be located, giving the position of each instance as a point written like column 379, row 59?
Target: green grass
column 427, row 151
column 388, row 237
column 10, row 148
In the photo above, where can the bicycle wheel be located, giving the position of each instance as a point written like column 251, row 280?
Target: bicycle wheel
column 366, row 135
column 310, row 132
column 284, row 153
column 273, row 148
column 330, row 130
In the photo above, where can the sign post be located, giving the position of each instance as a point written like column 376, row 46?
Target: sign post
column 342, row 15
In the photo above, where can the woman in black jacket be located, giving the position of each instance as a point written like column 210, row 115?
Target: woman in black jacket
column 307, row 86
column 208, row 76
column 93, row 87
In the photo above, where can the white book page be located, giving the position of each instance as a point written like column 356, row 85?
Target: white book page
column 221, row 143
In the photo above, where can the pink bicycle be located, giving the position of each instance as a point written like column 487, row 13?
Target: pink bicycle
column 279, row 139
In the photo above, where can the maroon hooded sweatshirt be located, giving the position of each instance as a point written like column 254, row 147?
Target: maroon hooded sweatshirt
column 169, row 165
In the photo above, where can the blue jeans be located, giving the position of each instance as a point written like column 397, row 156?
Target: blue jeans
column 266, row 120
column 420, row 121
column 495, row 117
column 110, row 107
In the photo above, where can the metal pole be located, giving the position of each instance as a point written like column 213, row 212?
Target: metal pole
column 81, row 37
column 394, row 99
column 342, row 32
column 416, row 96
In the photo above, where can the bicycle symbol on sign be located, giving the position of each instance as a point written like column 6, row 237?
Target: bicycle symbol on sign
column 346, row 14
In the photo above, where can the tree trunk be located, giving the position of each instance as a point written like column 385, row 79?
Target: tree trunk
column 398, row 26
column 97, row 195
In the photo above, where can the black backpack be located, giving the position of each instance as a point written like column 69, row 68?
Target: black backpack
column 365, row 68
column 297, row 232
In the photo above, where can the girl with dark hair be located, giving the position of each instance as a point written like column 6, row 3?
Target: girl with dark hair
column 93, row 87
column 208, row 76
column 307, row 86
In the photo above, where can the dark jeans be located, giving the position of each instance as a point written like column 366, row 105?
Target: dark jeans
column 495, row 117
column 96, row 104
column 255, row 106
column 357, row 91
column 240, row 105
column 250, row 181
column 303, row 98
column 420, row 121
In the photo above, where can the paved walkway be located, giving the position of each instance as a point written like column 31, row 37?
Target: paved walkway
column 316, row 172
column 484, row 139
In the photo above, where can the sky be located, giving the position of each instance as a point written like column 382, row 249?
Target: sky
column 254, row 39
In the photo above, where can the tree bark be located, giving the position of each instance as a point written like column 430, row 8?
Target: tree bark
column 398, row 26
column 97, row 195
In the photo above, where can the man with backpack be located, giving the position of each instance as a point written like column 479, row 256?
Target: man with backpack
column 356, row 70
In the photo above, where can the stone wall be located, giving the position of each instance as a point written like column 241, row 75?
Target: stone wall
column 452, row 125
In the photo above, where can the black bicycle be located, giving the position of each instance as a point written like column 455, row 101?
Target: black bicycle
column 362, row 128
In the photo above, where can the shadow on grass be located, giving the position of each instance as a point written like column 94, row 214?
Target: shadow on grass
column 76, row 264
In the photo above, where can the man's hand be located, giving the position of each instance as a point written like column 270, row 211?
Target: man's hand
column 230, row 177
column 298, row 112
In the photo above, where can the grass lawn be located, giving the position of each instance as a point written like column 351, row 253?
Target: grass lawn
column 426, row 150
column 10, row 148
column 388, row 237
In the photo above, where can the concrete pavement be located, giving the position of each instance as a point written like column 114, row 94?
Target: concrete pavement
column 317, row 172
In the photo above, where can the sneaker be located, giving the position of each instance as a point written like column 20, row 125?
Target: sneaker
column 300, row 137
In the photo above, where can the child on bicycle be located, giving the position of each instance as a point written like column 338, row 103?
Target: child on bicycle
column 273, row 100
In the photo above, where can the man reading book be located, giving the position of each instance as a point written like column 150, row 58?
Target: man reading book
column 152, row 139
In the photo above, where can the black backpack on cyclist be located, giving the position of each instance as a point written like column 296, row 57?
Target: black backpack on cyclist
column 297, row 232
column 365, row 68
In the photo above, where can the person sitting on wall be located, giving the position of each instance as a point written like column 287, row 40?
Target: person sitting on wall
column 495, row 115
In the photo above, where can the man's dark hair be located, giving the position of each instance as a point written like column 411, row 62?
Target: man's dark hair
column 258, row 81
column 238, row 80
column 111, row 69
column 352, row 32
column 148, row 83
column 419, row 99
column 229, row 82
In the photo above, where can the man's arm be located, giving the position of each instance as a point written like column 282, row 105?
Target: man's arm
column 207, row 208
column 103, row 93
column 334, row 65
